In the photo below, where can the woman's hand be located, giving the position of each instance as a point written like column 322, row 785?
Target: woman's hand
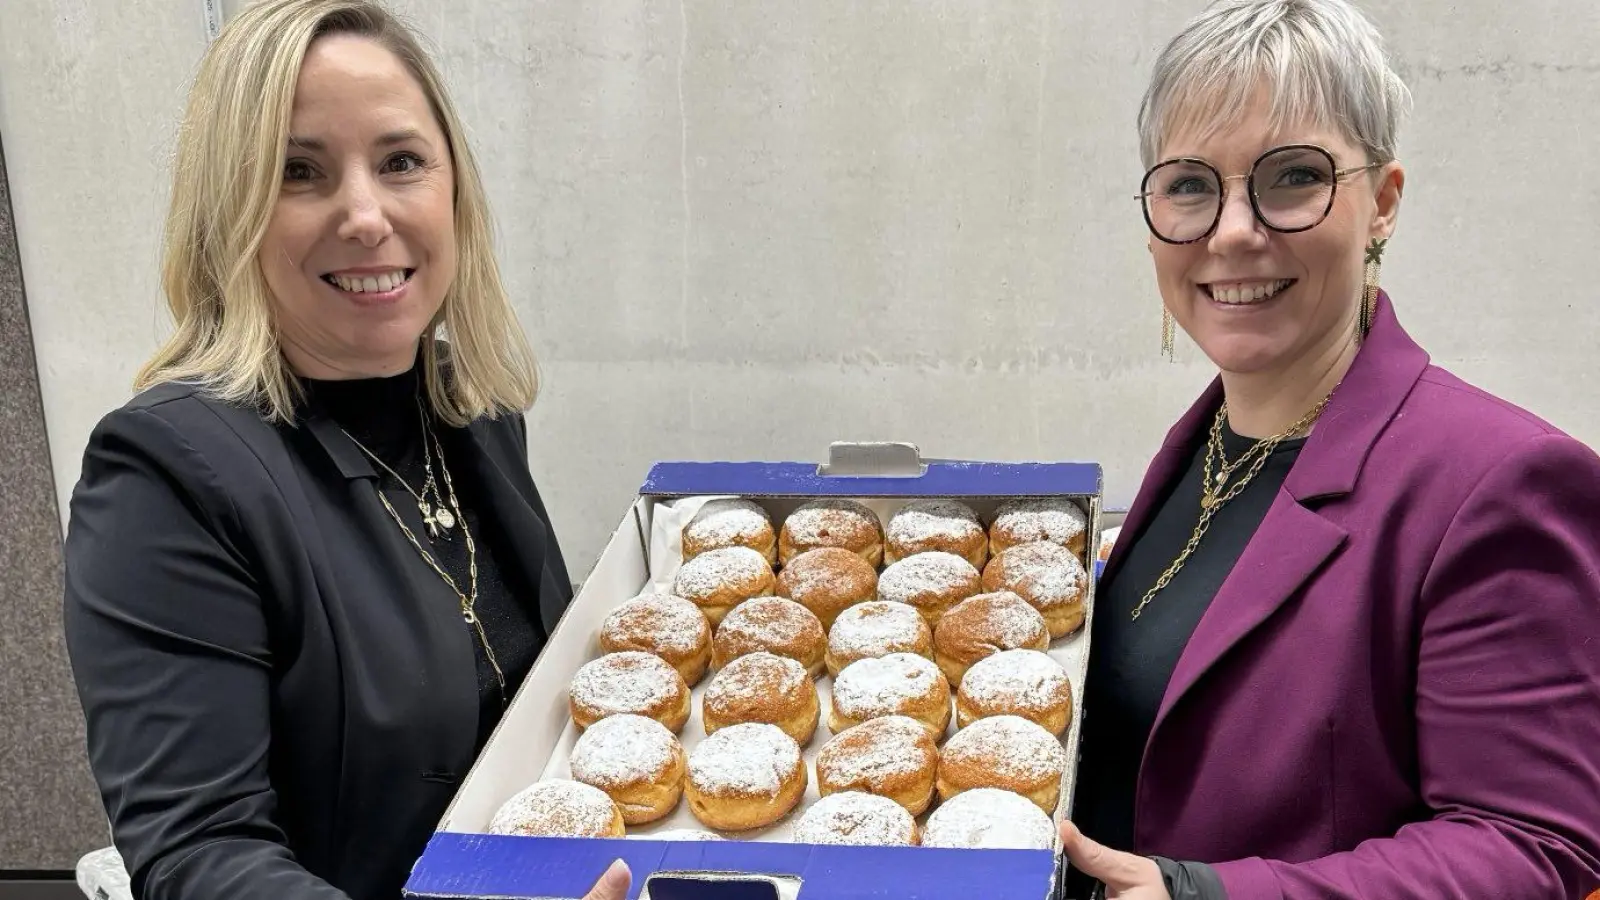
column 613, row 885
column 1126, row 876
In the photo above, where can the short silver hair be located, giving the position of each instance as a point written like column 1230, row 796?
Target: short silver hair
column 1320, row 61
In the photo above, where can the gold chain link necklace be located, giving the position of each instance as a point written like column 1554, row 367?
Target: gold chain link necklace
column 468, row 602
column 1210, row 502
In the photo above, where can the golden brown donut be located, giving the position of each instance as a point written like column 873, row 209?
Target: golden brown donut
column 636, row 761
column 668, row 626
column 947, row 525
column 559, row 808
column 983, row 625
column 828, row 581
column 1057, row 521
column 745, row 776
column 1023, row 683
column 989, row 819
column 629, row 682
column 730, row 522
column 762, row 687
column 718, row 580
column 932, row 582
column 891, row 756
column 902, row 684
column 856, row 819
column 1006, row 752
column 1048, row 576
column 832, row 523
column 775, row 625
column 876, row 628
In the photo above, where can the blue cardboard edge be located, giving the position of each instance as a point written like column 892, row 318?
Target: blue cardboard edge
column 941, row 479
column 504, row 867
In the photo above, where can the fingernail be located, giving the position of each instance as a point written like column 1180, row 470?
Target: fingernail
column 617, row 871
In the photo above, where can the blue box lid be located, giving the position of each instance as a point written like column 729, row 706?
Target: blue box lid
column 941, row 478
column 497, row 866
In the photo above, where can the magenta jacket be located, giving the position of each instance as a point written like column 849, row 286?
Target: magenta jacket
column 1396, row 693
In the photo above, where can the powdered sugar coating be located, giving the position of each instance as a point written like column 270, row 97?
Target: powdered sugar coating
column 771, row 622
column 629, row 681
column 746, row 760
column 556, row 808
column 877, row 752
column 878, row 628
column 755, row 678
column 727, row 522
column 922, row 521
column 857, row 819
column 678, row 834
column 712, row 570
column 1056, row 521
column 885, row 685
column 1047, row 575
column 1002, row 619
column 820, row 523
column 621, row 751
column 1009, row 746
column 991, row 819
column 1017, row 679
column 667, row 622
column 922, row 576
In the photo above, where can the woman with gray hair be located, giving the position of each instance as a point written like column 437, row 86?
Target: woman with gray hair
column 1345, row 644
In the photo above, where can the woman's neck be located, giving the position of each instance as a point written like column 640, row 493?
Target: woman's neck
column 1262, row 404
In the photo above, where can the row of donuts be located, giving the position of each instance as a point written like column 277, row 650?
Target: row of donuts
column 996, row 780
column 934, row 554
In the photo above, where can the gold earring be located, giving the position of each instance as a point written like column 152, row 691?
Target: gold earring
column 1369, row 291
column 1167, row 335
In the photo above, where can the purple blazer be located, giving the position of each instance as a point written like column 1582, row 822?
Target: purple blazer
column 1396, row 692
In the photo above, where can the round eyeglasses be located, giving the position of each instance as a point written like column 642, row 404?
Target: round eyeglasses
column 1291, row 189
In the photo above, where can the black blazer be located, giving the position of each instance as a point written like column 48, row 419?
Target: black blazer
column 280, row 694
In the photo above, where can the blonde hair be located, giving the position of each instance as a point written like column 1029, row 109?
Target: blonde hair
column 229, row 167
column 1321, row 61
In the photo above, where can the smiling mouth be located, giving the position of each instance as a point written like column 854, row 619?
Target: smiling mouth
column 1233, row 293
column 381, row 283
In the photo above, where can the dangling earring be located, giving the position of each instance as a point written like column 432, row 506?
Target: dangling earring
column 1166, row 335
column 1369, row 291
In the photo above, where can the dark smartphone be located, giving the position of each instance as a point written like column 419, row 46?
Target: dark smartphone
column 671, row 887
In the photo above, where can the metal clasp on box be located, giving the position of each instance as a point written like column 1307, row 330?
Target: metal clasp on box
column 878, row 459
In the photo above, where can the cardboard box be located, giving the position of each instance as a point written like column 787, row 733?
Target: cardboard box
column 536, row 734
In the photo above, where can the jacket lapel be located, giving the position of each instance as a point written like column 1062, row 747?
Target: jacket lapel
column 506, row 490
column 1294, row 541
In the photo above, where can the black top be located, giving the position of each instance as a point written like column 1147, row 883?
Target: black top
column 281, row 696
column 1132, row 661
column 385, row 416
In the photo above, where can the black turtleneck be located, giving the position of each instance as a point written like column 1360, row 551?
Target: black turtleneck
column 384, row 416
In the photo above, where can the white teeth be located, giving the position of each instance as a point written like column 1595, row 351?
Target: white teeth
column 1253, row 293
column 384, row 282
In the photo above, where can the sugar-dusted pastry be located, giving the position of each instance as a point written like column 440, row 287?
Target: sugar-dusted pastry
column 718, row 580
column 629, row 682
column 663, row 624
column 773, row 624
column 946, row 525
column 559, row 808
column 730, row 522
column 828, row 581
column 1048, row 576
column 636, row 761
column 1007, row 752
column 745, row 776
column 876, row 628
column 832, row 523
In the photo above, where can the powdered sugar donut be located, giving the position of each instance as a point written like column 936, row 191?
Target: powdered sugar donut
column 772, row 624
column 1007, row 752
column 559, row 808
column 1057, row 521
column 663, row 624
column 902, row 684
column 984, row 625
column 891, row 756
column 718, row 580
column 636, row 761
column 856, row 819
column 989, row 819
column 1051, row 578
column 832, row 523
column 876, row 628
column 1023, row 683
column 745, row 776
column 629, row 682
column 730, row 522
column 931, row 582
column 947, row 525
column 828, row 581
column 763, row 687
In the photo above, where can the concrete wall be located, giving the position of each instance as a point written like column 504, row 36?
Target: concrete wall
column 742, row 230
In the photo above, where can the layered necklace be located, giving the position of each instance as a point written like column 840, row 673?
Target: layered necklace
column 1219, row 486
column 441, row 515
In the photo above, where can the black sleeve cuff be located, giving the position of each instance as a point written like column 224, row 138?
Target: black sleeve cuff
column 1190, row 880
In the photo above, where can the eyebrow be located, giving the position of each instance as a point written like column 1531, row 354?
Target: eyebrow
column 387, row 139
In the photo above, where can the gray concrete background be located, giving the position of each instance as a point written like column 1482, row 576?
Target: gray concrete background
column 742, row 230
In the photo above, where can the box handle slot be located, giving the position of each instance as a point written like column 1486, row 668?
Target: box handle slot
column 877, row 459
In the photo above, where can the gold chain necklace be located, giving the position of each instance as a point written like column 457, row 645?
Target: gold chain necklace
column 1210, row 502
column 468, row 602
column 435, row 515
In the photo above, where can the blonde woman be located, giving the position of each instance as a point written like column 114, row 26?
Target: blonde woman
column 307, row 566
